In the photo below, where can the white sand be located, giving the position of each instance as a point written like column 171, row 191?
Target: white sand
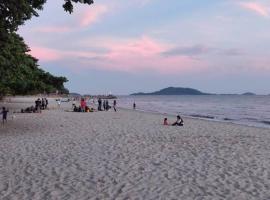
column 130, row 155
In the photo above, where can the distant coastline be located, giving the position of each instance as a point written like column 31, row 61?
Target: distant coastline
column 174, row 91
column 183, row 91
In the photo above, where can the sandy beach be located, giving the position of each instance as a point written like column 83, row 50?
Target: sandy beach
column 129, row 155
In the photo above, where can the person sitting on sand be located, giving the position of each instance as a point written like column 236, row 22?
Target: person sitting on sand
column 75, row 108
column 87, row 109
column 28, row 110
column 4, row 113
column 165, row 122
column 179, row 121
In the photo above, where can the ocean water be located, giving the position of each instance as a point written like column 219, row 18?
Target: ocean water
column 239, row 109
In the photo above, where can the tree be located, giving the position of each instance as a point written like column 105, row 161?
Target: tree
column 14, row 13
column 19, row 72
column 68, row 6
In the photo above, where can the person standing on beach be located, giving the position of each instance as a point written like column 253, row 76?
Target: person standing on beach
column 59, row 102
column 104, row 105
column 38, row 105
column 46, row 103
column 107, row 105
column 83, row 104
column 42, row 103
column 4, row 113
column 134, row 105
column 99, row 104
column 114, row 105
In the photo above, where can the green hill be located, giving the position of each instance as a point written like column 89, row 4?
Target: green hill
column 174, row 91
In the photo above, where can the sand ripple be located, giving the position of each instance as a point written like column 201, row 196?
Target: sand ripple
column 129, row 155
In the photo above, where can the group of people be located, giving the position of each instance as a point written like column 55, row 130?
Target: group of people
column 40, row 104
column 102, row 106
column 179, row 121
column 105, row 105
column 83, row 107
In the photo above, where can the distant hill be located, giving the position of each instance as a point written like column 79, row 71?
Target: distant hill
column 174, row 91
column 248, row 93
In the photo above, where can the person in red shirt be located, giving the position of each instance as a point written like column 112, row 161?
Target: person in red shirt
column 83, row 104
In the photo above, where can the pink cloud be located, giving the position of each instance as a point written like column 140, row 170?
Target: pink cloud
column 91, row 15
column 130, row 55
column 256, row 7
column 45, row 54
column 88, row 16
column 143, row 54
column 259, row 63
column 48, row 54
column 53, row 29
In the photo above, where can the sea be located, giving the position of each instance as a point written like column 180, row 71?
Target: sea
column 251, row 110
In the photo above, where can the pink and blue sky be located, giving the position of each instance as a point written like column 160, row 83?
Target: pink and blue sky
column 219, row 46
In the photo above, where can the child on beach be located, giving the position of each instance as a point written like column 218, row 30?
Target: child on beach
column 4, row 113
column 165, row 122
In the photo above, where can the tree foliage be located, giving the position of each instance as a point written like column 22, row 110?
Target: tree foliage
column 19, row 71
column 14, row 13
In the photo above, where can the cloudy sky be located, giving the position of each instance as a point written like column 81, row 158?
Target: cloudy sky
column 122, row 46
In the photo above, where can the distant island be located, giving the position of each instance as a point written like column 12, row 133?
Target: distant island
column 174, row 91
column 248, row 93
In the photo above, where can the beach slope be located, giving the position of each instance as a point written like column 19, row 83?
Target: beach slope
column 130, row 155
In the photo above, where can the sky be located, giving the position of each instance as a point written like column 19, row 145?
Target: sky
column 120, row 46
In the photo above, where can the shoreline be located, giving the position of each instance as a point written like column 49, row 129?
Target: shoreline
column 250, row 111
column 196, row 118
column 27, row 100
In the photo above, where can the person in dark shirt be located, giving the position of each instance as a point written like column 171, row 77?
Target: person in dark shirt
column 134, row 105
column 38, row 105
column 107, row 105
column 179, row 121
column 114, row 105
column 46, row 103
column 4, row 113
column 99, row 104
column 42, row 103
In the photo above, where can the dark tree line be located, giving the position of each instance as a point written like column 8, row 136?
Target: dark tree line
column 19, row 71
